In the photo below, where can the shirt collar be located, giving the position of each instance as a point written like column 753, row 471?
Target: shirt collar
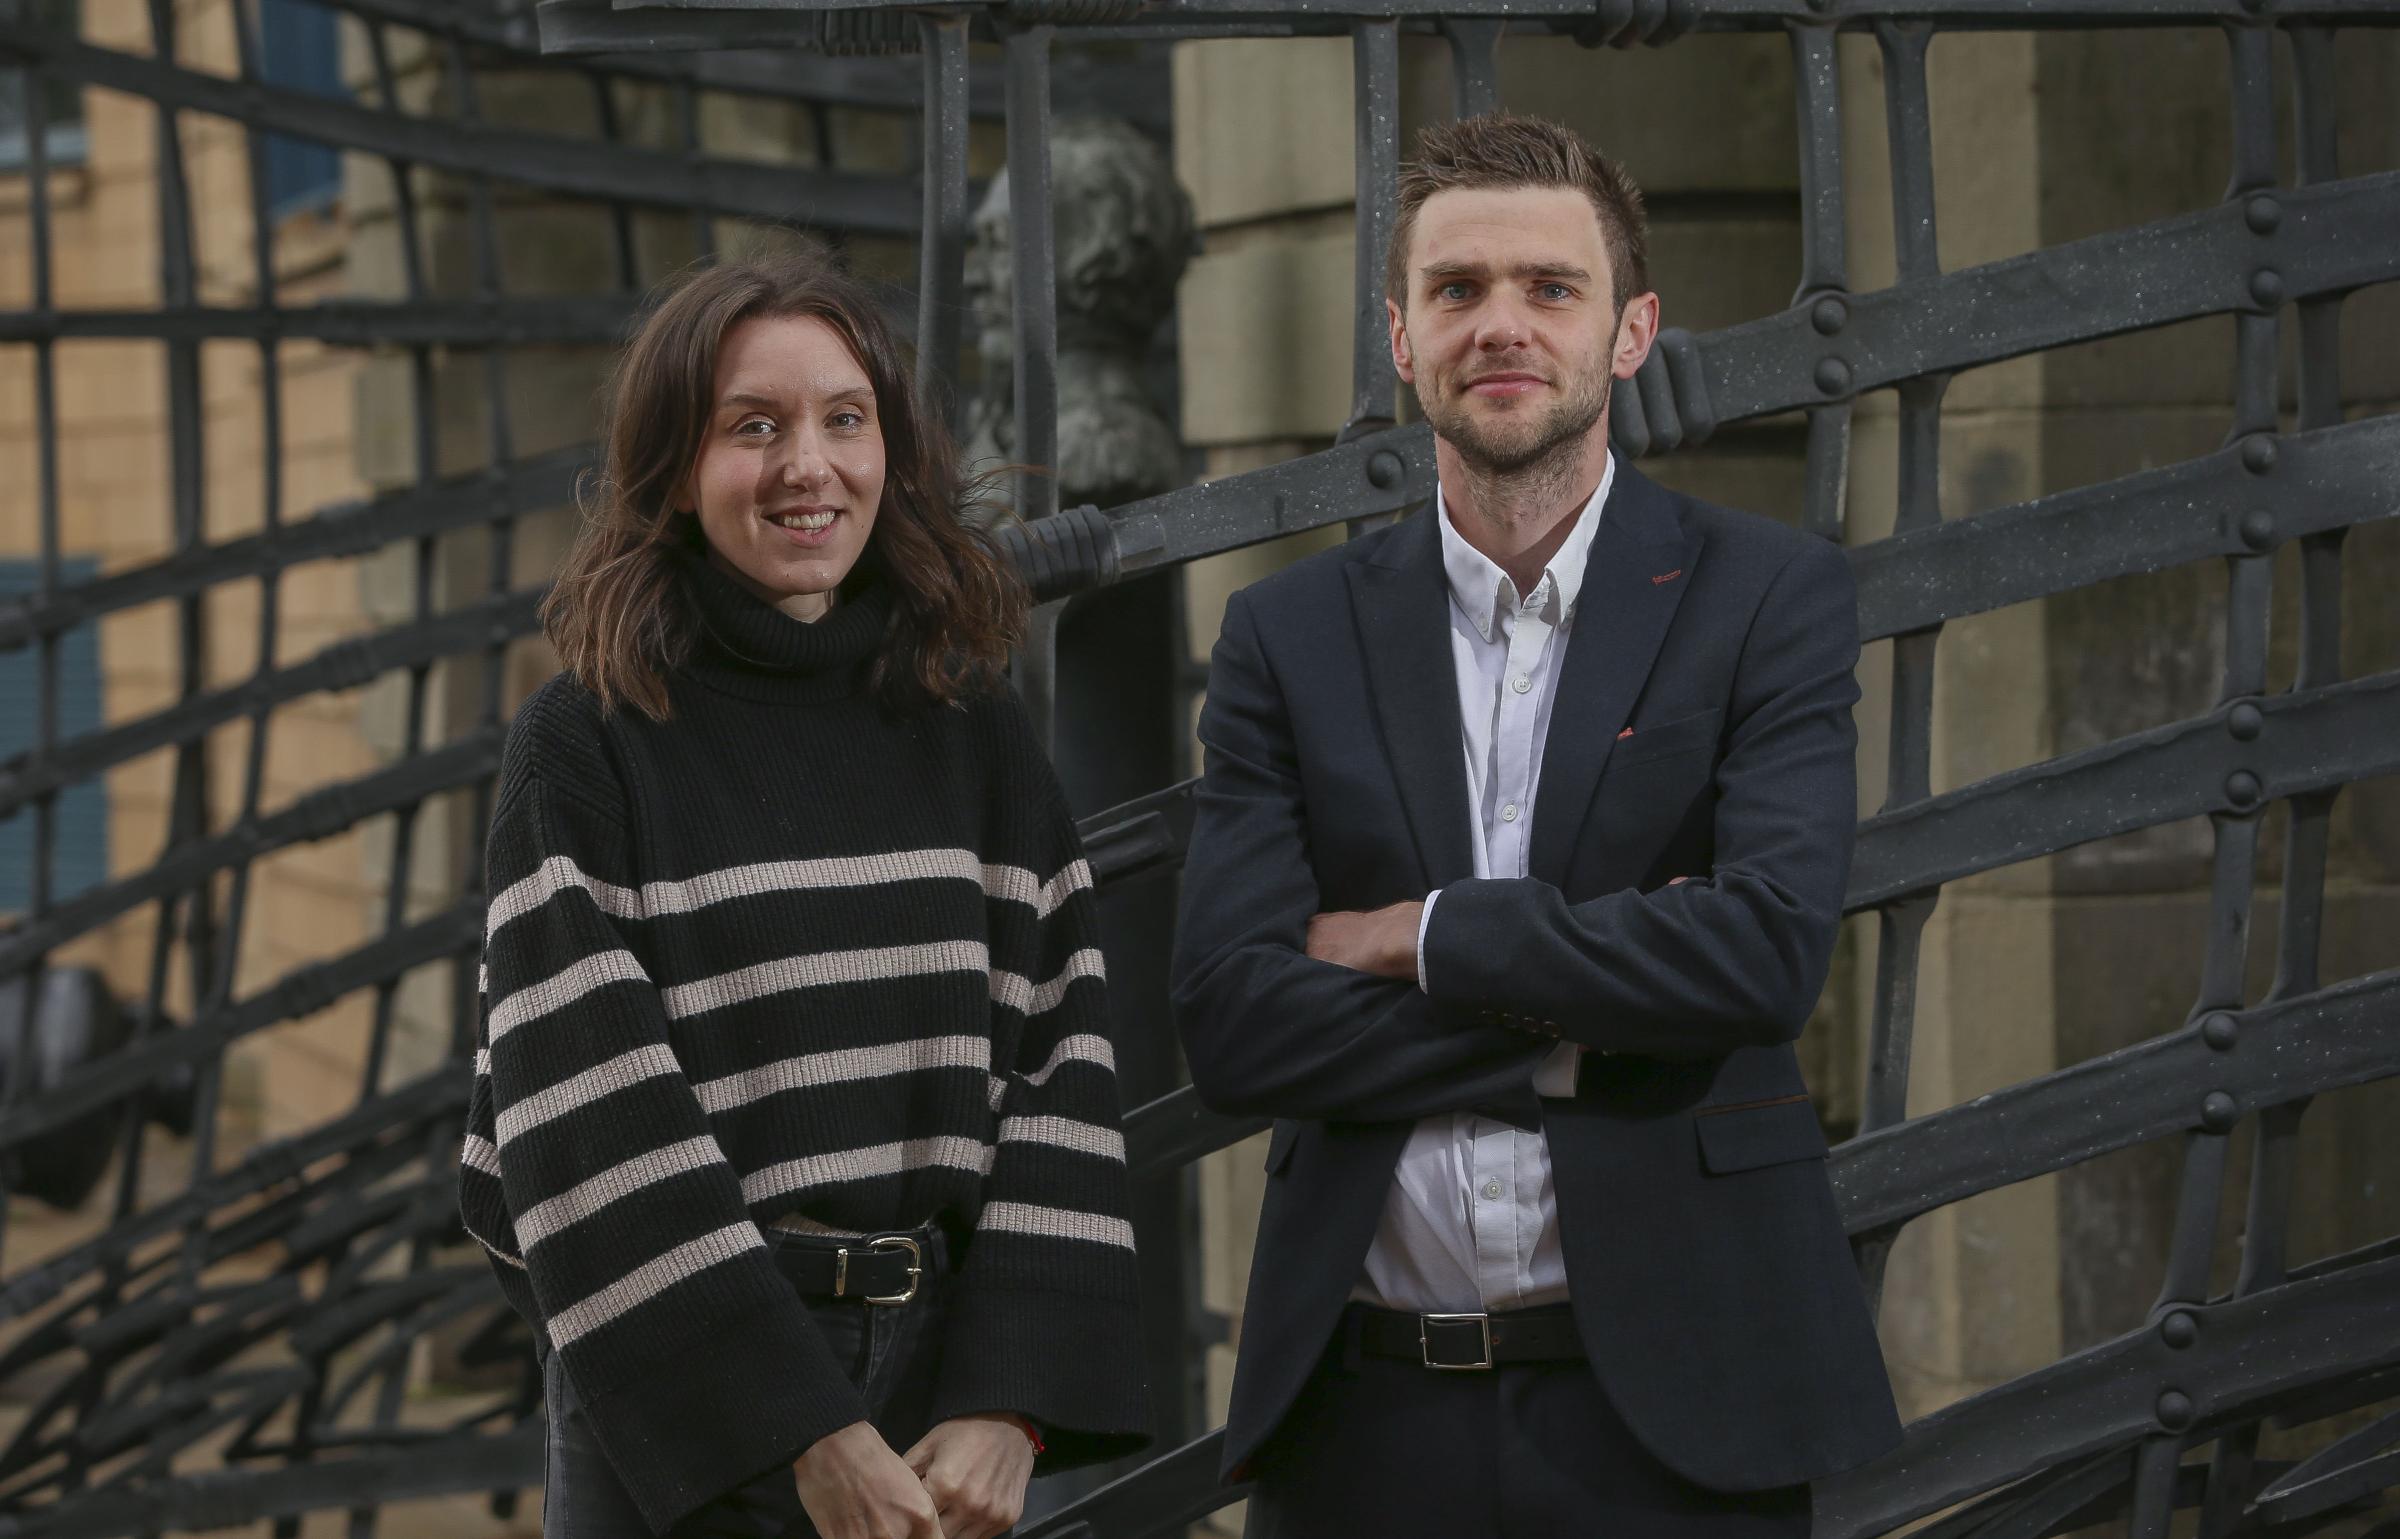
column 1484, row 593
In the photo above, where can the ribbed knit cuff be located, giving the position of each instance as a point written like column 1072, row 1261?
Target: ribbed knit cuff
column 1071, row 1363
column 706, row 1418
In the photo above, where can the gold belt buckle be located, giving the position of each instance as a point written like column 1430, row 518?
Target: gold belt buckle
column 916, row 1267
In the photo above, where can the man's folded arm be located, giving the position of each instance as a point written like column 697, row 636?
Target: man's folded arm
column 1728, row 959
column 1268, row 1030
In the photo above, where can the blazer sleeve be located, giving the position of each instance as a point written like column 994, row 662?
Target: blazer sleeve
column 1729, row 959
column 1268, row 1030
column 613, row 1216
column 1044, row 1317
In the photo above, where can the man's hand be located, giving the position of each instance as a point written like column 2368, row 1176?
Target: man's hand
column 974, row 1469
column 1383, row 942
column 854, row 1487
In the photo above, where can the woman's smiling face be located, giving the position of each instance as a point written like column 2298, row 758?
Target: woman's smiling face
column 791, row 463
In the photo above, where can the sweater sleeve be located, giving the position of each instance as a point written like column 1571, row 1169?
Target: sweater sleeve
column 1045, row 1320
column 597, row 1180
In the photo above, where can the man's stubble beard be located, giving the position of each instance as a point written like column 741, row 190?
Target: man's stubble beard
column 1537, row 472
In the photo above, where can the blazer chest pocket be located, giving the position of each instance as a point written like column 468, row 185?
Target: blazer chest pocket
column 1758, row 1134
column 1685, row 734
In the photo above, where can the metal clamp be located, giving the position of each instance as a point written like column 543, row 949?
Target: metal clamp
column 1483, row 1323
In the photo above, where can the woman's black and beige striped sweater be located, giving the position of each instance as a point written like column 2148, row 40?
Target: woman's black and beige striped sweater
column 791, row 956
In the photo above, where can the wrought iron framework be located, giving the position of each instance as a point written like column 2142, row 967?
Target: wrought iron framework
column 279, row 1295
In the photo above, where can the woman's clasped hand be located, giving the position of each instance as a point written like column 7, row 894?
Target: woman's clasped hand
column 965, row 1479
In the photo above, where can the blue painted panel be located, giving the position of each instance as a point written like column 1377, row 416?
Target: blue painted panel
column 79, row 852
column 300, row 47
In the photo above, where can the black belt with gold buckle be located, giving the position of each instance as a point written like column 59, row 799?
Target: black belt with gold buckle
column 882, row 1269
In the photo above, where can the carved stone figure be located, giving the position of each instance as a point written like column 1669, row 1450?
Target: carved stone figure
column 1123, row 233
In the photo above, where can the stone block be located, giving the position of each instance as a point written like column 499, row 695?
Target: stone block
column 1714, row 272
column 1242, row 105
column 1757, row 469
column 882, row 143
column 553, row 402
column 2370, row 321
column 1866, row 165
column 1986, row 995
column 1970, row 1297
column 1971, row 1294
column 310, row 1069
column 1265, row 341
column 1622, row 100
column 758, row 128
column 2136, row 157
column 1832, row 1047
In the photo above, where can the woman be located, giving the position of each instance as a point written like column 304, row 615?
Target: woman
column 794, row 1124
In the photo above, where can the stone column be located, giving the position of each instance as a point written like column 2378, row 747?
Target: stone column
column 1265, row 368
column 1970, row 1295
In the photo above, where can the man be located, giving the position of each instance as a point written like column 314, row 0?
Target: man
column 1517, row 865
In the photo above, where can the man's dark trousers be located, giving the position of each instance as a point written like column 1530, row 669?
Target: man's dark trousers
column 1701, row 730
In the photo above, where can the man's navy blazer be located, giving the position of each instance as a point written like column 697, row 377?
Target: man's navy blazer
column 1701, row 730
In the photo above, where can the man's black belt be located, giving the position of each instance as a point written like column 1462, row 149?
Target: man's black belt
column 878, row 1269
column 1468, row 1341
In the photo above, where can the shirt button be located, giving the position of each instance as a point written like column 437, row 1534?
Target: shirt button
column 1508, row 814
column 1521, row 683
column 1491, row 1191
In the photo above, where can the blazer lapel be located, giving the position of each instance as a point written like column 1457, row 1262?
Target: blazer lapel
column 1401, row 600
column 1634, row 579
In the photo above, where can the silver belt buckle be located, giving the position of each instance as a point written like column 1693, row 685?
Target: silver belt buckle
column 1425, row 1341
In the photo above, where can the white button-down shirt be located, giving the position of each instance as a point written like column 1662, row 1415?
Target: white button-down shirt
column 1471, row 1222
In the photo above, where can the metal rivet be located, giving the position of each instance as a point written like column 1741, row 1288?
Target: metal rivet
column 2263, row 214
column 2241, row 788
column 2258, row 529
column 2179, row 1329
column 1829, row 315
column 2245, row 721
column 2174, row 1410
column 2258, row 454
column 2219, row 1112
column 2266, row 286
column 2219, row 1031
column 1833, row 376
column 1386, row 469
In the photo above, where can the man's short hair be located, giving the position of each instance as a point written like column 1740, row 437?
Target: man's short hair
column 1504, row 150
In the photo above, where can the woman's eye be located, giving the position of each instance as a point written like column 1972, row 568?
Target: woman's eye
column 754, row 427
column 849, row 421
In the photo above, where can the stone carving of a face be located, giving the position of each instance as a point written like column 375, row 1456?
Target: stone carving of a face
column 1123, row 230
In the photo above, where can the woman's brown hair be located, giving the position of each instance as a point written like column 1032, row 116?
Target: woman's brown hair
column 617, row 613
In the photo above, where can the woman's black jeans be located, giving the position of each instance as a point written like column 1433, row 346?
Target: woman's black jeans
column 891, row 1352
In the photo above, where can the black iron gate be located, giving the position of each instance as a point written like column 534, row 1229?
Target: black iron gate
column 267, row 1309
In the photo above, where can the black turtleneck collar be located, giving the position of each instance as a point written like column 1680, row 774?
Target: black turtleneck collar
column 746, row 646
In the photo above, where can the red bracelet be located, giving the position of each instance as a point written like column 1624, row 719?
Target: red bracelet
column 1032, row 1433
